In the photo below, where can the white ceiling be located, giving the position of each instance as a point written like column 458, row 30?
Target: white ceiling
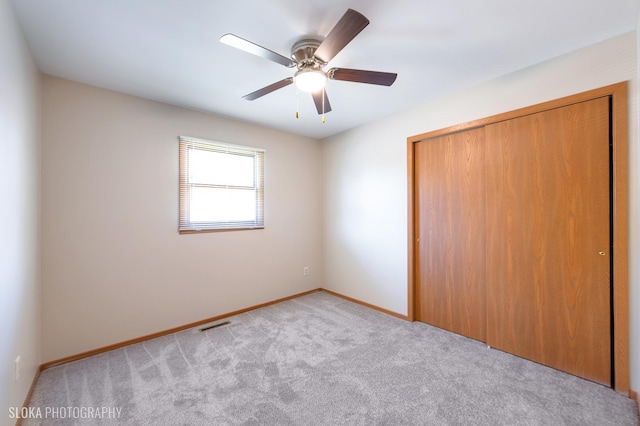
column 168, row 50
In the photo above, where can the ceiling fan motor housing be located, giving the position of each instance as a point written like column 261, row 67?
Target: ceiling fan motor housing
column 302, row 52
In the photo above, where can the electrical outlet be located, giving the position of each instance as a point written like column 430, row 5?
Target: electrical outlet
column 306, row 271
column 17, row 368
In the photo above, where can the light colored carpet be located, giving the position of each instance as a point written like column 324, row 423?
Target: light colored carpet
column 320, row 360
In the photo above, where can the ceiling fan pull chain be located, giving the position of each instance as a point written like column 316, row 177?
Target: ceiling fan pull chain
column 297, row 103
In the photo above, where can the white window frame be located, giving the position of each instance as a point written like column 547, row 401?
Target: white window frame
column 186, row 184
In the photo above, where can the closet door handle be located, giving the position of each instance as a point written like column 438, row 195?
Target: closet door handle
column 601, row 253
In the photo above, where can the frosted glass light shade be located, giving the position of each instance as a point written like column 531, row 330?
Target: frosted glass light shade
column 310, row 80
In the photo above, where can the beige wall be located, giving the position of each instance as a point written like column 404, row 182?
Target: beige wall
column 19, row 197
column 114, row 266
column 365, row 174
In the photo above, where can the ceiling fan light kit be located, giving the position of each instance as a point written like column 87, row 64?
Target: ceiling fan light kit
column 310, row 56
column 310, row 80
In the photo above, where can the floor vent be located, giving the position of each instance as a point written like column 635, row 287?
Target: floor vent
column 215, row 326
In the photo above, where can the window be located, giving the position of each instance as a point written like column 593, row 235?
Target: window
column 221, row 186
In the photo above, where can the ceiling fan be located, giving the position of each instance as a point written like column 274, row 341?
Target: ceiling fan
column 310, row 56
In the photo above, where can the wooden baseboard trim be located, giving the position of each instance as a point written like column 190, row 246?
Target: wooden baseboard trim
column 31, row 388
column 368, row 305
column 634, row 395
column 108, row 348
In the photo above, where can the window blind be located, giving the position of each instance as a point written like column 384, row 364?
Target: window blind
column 221, row 186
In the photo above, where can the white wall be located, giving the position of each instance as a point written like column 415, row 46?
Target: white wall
column 114, row 266
column 365, row 173
column 19, row 197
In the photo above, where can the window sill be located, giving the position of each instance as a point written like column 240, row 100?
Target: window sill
column 206, row 231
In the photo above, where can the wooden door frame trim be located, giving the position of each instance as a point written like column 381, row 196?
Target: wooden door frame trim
column 620, row 133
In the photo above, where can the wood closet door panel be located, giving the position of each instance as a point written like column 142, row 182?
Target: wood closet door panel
column 548, row 286
column 450, row 246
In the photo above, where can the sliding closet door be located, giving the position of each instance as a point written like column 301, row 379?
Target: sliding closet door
column 450, row 237
column 548, row 245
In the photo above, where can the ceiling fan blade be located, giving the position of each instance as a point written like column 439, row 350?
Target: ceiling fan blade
column 254, row 49
column 268, row 89
column 317, row 98
column 362, row 76
column 346, row 29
